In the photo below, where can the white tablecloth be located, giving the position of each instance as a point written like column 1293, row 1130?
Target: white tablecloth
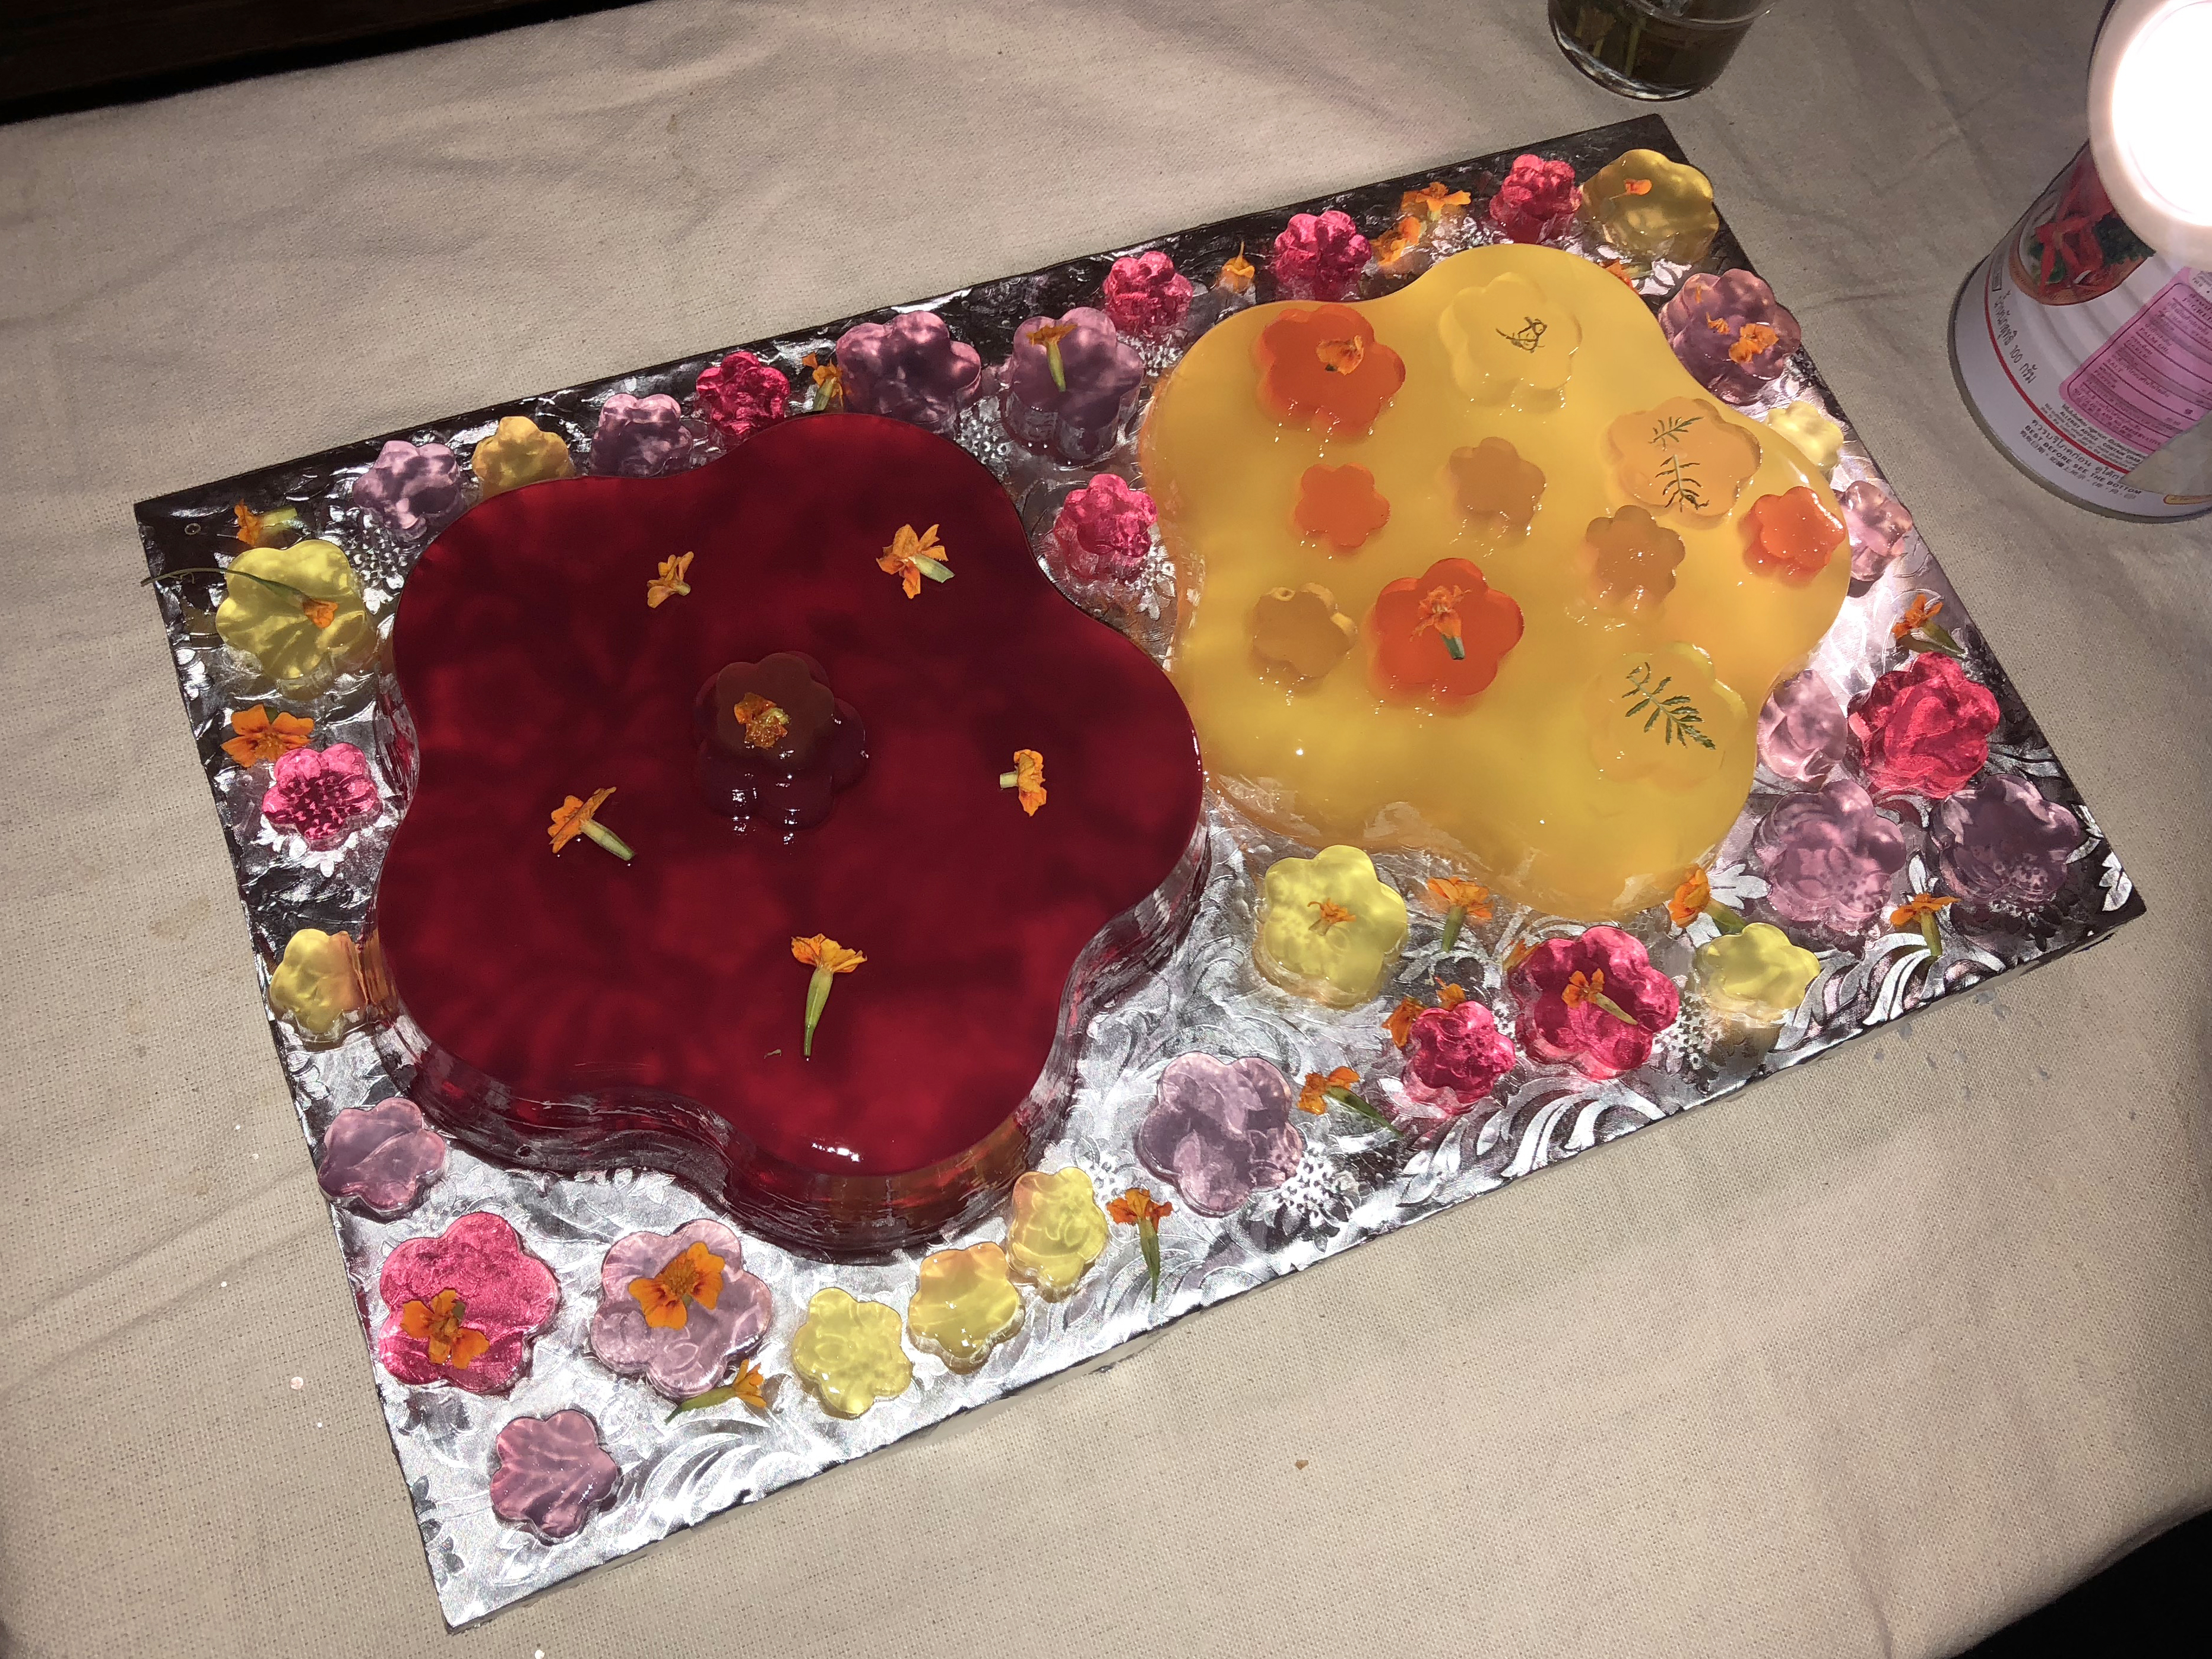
column 1866, row 1361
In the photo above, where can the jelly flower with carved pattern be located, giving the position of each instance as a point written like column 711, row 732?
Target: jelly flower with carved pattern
column 1755, row 978
column 551, row 1474
column 322, row 795
column 1455, row 1056
column 1104, row 530
column 1218, row 1131
column 1594, row 1001
column 1730, row 332
column 1440, row 637
column 1536, row 200
column 741, row 394
column 1146, row 295
column 1652, row 208
column 1057, row 1230
column 1329, row 927
column 1924, row 730
column 2003, row 845
column 640, row 437
column 474, row 1277
column 676, row 1308
column 910, row 368
column 1339, row 505
column 847, row 1353
column 413, row 490
column 519, row 452
column 316, row 986
column 261, row 738
column 1510, row 342
column 1318, row 257
column 1829, row 857
column 1684, row 458
column 383, row 1158
column 1494, row 486
column 1802, row 729
column 1790, row 536
column 1323, row 366
column 1632, row 559
column 964, row 1306
column 1878, row 522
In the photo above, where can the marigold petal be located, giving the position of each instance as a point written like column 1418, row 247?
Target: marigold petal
column 468, row 1346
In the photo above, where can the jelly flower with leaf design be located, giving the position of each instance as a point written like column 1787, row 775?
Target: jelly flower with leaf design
column 1104, row 530
column 1594, row 1001
column 413, row 490
column 1877, row 523
column 1069, row 385
column 1057, row 1230
column 465, row 1306
column 1508, row 341
column 676, row 1308
column 1218, row 1131
column 551, row 1474
column 847, row 1353
column 1329, row 927
column 910, row 368
column 1802, row 731
column 322, row 795
column 2003, row 845
column 519, row 452
column 1730, row 332
column 741, row 394
column 1925, row 730
column 1322, row 366
column 640, row 437
column 1146, row 295
column 964, row 1305
column 1455, row 1056
column 1684, row 457
column 1318, row 257
column 1755, row 978
column 297, row 614
column 1829, row 857
column 1662, row 715
column 383, row 1158
column 1536, row 200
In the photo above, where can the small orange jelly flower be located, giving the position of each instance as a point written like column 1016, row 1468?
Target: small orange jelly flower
column 1691, row 898
column 910, row 558
column 1137, row 1207
column 1340, row 504
column 1636, row 186
column 766, row 723
column 573, row 817
column 695, row 1275
column 1917, row 615
column 1027, row 777
column 1918, row 905
column 1399, row 1025
column 261, row 739
column 1332, row 914
column 670, row 582
column 1236, row 274
column 1755, row 339
column 437, row 1324
column 1583, row 987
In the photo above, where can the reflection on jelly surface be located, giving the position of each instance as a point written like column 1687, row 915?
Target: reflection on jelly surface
column 533, row 669
column 1510, row 780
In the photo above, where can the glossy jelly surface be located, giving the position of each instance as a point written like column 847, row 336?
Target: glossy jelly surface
column 1540, row 777
column 575, row 1010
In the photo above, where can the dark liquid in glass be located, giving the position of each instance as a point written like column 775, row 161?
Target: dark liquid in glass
column 1652, row 49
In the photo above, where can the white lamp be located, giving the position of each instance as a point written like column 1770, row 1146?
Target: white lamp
column 2150, row 122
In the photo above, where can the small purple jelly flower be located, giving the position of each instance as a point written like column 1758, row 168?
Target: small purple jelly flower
column 640, row 437
column 1730, row 332
column 1802, row 731
column 910, row 368
column 414, row 489
column 1319, row 257
column 322, row 795
column 551, row 1474
column 741, row 394
column 1829, row 857
column 679, row 1360
column 1069, row 385
column 1877, row 523
column 2003, row 845
column 383, row 1158
column 1220, row 1131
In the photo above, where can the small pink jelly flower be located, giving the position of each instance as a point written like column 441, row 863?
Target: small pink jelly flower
column 740, row 394
column 1104, row 530
column 1536, row 199
column 1146, row 295
column 1318, row 257
column 322, row 795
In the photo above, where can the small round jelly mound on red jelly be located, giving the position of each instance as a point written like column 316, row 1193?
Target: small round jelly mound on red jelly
column 572, row 1010
column 775, row 745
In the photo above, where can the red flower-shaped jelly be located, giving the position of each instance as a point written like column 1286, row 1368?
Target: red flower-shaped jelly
column 1413, row 620
column 1563, row 986
column 578, row 1011
column 1925, row 730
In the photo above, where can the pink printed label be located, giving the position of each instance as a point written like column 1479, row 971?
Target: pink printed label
column 2153, row 379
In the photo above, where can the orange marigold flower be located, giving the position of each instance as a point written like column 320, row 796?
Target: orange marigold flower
column 261, row 739
column 1236, row 274
column 828, row 959
column 828, row 380
column 766, row 723
column 1450, row 996
column 1636, row 186
column 1399, row 1025
column 1342, row 356
column 266, row 528
column 1432, row 199
column 910, row 558
column 745, row 1387
column 1447, row 893
column 321, row 612
column 1755, row 339
column 1314, row 1096
column 1691, row 898
column 437, row 1323
column 1917, row 615
column 670, row 582
column 1331, row 915
column 1614, row 267
column 1919, row 905
column 1028, row 777
column 1583, row 987
column 1137, row 1207
column 694, row 1276
column 574, row 817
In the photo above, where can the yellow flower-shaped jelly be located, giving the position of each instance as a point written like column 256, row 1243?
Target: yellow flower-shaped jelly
column 1755, row 979
column 317, row 986
column 1510, row 342
column 1662, row 717
column 847, row 1354
column 276, row 627
column 965, row 1307
column 1807, row 425
column 519, row 452
column 1650, row 208
column 1330, row 928
column 1057, row 1232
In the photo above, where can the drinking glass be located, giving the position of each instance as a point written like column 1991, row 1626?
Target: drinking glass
column 1652, row 49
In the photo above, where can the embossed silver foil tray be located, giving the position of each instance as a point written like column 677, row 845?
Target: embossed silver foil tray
column 1356, row 1182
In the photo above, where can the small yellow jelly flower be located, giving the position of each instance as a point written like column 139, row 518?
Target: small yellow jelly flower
column 1057, row 1231
column 317, row 985
column 1340, row 962
column 964, row 1306
column 1754, row 979
column 847, row 1354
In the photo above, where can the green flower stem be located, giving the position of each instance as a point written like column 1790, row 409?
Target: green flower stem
column 699, row 1402
column 1344, row 1096
column 1008, row 779
column 1600, row 1000
column 1929, row 932
column 1455, row 918
column 932, row 570
column 299, row 593
column 1724, row 918
column 1053, row 362
column 603, row 836
column 817, row 998
column 1934, row 636
column 1456, row 645
column 1148, row 1241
